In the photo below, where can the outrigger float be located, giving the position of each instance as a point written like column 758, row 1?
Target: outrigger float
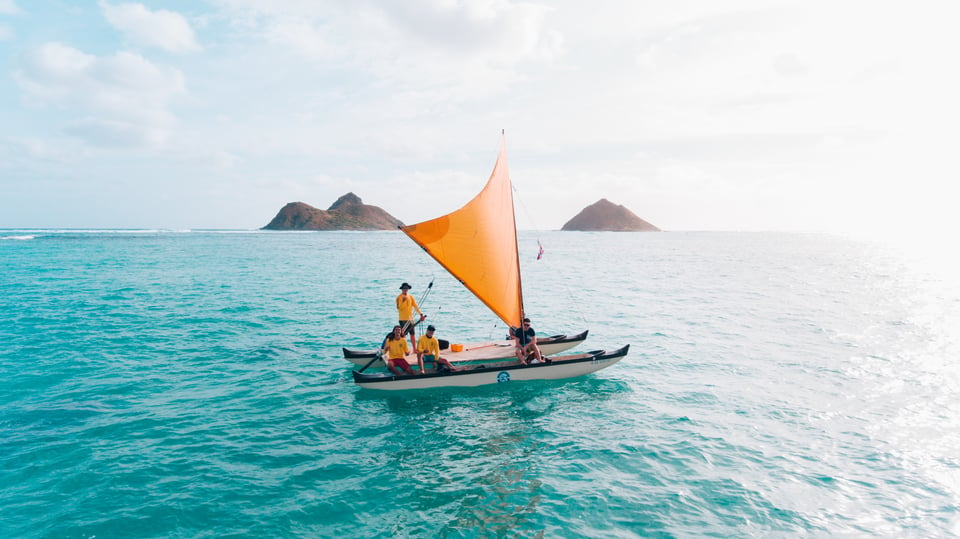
column 482, row 351
column 477, row 245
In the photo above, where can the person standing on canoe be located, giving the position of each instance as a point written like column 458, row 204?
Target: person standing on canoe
column 406, row 304
column 525, row 340
column 396, row 349
column 428, row 351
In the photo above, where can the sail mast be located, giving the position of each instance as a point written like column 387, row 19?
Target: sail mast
column 516, row 234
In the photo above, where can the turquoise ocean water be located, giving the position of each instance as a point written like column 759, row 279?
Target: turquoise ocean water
column 190, row 384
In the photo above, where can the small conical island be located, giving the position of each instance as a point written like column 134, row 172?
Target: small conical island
column 347, row 213
column 604, row 215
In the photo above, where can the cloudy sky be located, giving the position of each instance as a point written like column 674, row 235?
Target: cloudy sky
column 696, row 114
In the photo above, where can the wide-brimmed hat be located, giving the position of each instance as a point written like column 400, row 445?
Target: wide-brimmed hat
column 405, row 286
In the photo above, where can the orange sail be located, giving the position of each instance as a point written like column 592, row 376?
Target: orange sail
column 477, row 244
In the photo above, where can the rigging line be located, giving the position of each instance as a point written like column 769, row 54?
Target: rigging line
column 537, row 230
column 526, row 212
column 576, row 304
column 530, row 216
column 491, row 336
column 423, row 298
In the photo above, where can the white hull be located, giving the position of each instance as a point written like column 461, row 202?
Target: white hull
column 497, row 373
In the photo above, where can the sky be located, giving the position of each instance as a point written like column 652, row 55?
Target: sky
column 824, row 116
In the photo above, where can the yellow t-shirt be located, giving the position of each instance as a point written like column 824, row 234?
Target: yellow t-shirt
column 396, row 348
column 428, row 345
column 405, row 306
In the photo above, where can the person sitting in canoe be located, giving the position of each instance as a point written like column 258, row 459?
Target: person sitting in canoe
column 428, row 351
column 395, row 349
column 525, row 342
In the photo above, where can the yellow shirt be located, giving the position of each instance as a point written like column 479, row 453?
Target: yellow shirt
column 396, row 348
column 428, row 345
column 405, row 306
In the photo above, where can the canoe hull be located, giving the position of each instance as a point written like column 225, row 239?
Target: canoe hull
column 497, row 373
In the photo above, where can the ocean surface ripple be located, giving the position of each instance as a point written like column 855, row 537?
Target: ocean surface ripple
column 191, row 384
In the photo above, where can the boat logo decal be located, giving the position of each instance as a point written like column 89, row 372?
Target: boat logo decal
column 504, row 376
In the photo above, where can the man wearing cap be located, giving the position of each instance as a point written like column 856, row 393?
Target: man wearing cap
column 405, row 307
column 428, row 351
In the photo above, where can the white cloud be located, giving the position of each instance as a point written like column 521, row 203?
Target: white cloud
column 162, row 29
column 300, row 36
column 123, row 99
column 9, row 7
column 22, row 147
column 774, row 107
column 116, row 134
column 504, row 32
column 6, row 32
column 53, row 70
column 775, row 102
column 451, row 50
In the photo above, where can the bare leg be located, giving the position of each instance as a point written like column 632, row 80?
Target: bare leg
column 446, row 362
column 521, row 356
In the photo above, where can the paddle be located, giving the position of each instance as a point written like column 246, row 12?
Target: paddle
column 415, row 324
column 376, row 356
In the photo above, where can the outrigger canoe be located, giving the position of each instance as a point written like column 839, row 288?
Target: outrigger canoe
column 496, row 373
column 477, row 245
column 483, row 351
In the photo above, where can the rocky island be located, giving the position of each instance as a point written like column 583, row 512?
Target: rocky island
column 347, row 213
column 605, row 215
